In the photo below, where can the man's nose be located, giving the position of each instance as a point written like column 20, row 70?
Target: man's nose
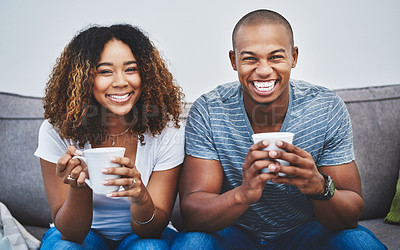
column 264, row 68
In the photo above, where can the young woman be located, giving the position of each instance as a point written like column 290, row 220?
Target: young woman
column 111, row 88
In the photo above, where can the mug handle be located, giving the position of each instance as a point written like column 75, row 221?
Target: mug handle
column 87, row 181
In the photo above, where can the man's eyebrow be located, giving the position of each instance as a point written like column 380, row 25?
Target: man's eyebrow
column 277, row 51
column 247, row 52
column 252, row 53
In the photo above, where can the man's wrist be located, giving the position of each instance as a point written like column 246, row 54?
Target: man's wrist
column 239, row 197
column 329, row 189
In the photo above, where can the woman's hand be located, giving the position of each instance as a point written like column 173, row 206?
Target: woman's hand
column 72, row 171
column 131, row 181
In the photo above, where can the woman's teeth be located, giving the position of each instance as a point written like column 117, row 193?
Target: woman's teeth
column 119, row 97
column 264, row 86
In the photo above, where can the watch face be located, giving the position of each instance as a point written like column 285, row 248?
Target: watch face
column 332, row 187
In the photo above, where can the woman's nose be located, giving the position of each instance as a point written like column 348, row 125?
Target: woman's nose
column 120, row 81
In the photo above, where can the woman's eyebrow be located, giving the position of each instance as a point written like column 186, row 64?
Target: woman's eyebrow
column 130, row 62
column 110, row 64
column 103, row 64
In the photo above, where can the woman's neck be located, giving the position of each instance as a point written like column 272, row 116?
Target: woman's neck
column 116, row 124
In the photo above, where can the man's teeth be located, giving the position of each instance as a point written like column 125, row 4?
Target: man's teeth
column 119, row 97
column 264, row 86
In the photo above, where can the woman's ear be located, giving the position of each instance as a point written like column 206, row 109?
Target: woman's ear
column 232, row 57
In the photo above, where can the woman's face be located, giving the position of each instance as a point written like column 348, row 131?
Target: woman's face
column 117, row 82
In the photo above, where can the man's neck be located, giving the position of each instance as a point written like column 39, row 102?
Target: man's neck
column 266, row 117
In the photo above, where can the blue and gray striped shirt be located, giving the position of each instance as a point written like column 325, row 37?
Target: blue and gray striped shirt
column 218, row 129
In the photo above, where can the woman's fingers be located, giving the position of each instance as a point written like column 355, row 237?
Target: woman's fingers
column 124, row 161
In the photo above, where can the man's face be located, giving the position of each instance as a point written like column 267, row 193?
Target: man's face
column 263, row 58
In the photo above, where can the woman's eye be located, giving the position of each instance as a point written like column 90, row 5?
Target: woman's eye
column 105, row 71
column 131, row 69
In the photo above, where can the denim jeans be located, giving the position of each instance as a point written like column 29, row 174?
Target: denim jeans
column 307, row 236
column 52, row 240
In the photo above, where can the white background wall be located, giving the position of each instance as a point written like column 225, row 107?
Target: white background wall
column 342, row 43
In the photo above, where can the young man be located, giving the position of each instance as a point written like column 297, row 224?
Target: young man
column 226, row 202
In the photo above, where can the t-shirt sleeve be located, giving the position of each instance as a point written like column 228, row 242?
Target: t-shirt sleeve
column 50, row 146
column 170, row 152
column 198, row 135
column 338, row 147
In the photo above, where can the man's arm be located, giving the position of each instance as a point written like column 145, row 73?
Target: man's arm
column 344, row 208
column 203, row 206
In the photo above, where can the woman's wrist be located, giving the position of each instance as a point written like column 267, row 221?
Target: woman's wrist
column 147, row 221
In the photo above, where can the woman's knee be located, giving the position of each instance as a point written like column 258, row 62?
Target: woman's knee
column 52, row 239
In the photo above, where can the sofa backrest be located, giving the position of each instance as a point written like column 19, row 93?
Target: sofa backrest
column 21, row 183
column 375, row 116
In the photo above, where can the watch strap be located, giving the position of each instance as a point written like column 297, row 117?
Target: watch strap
column 329, row 189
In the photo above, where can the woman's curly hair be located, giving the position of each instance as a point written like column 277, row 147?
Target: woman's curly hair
column 69, row 103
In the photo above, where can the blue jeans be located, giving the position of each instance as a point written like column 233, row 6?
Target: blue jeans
column 308, row 236
column 52, row 240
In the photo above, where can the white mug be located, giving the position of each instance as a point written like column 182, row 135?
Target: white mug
column 97, row 159
column 272, row 137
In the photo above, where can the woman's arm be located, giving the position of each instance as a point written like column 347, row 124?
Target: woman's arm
column 71, row 204
column 157, row 198
column 161, row 195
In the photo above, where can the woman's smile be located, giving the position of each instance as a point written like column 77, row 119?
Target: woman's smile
column 119, row 98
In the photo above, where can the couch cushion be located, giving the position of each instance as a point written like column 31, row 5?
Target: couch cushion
column 388, row 234
column 375, row 116
column 21, row 183
column 393, row 216
column 36, row 231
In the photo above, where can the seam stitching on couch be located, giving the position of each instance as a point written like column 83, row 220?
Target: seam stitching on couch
column 374, row 100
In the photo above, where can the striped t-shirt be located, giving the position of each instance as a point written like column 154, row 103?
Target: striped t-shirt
column 218, row 129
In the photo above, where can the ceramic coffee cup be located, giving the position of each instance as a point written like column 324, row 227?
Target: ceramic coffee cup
column 97, row 159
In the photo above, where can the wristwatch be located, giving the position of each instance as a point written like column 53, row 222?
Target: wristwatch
column 329, row 189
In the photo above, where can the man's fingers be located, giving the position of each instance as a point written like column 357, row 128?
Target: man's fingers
column 290, row 148
column 259, row 145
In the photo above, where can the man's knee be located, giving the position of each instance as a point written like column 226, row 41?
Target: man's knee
column 359, row 238
column 195, row 240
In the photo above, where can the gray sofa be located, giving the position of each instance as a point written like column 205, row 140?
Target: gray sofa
column 375, row 118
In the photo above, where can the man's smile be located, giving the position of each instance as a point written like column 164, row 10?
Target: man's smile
column 264, row 86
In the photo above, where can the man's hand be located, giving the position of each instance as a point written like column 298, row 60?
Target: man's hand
column 344, row 208
column 302, row 171
column 253, row 181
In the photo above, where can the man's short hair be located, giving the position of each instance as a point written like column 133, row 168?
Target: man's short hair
column 263, row 16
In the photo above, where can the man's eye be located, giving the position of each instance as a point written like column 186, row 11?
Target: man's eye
column 250, row 58
column 275, row 57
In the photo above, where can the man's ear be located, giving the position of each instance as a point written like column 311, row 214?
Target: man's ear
column 295, row 55
column 232, row 57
